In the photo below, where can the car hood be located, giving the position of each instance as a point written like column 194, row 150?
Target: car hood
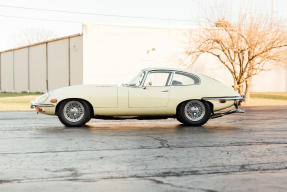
column 76, row 90
column 84, row 86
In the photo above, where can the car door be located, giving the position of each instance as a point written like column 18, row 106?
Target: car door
column 153, row 93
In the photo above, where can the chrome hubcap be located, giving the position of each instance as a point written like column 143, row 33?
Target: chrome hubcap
column 74, row 111
column 194, row 110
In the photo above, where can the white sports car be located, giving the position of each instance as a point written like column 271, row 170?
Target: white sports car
column 154, row 93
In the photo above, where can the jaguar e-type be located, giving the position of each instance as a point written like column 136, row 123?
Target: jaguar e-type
column 154, row 93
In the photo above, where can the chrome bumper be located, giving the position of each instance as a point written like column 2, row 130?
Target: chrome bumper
column 236, row 99
column 34, row 105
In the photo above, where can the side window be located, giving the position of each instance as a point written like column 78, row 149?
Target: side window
column 184, row 79
column 156, row 79
column 138, row 79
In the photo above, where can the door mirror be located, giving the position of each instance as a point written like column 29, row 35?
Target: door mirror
column 129, row 85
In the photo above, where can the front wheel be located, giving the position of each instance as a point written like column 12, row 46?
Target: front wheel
column 74, row 113
column 194, row 113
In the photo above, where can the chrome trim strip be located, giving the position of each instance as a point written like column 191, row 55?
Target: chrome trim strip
column 173, row 71
column 170, row 78
column 240, row 98
column 143, row 79
column 34, row 105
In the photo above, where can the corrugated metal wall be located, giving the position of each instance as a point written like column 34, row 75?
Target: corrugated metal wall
column 7, row 71
column 44, row 66
column 37, row 68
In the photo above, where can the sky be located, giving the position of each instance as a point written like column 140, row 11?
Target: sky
column 65, row 17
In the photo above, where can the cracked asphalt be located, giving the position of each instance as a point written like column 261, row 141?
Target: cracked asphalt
column 239, row 152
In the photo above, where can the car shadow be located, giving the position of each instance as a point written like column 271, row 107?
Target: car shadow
column 140, row 126
column 207, row 128
column 167, row 126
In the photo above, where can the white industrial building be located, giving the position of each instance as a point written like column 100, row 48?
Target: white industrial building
column 112, row 54
column 43, row 66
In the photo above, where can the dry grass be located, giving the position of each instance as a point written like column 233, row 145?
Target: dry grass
column 270, row 95
column 5, row 94
column 268, row 99
column 266, row 102
column 16, row 103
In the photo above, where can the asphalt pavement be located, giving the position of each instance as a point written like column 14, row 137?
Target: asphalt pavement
column 239, row 152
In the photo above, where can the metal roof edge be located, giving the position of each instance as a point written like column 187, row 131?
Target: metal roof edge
column 42, row 42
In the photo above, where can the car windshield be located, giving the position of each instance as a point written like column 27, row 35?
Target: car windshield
column 137, row 80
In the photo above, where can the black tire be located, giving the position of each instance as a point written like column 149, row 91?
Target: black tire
column 178, row 117
column 74, row 119
column 200, row 114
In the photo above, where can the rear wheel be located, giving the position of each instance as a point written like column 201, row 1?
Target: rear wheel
column 74, row 113
column 178, row 117
column 194, row 113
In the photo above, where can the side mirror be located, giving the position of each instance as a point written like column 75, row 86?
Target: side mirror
column 132, row 85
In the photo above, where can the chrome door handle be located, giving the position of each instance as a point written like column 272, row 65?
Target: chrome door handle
column 165, row 91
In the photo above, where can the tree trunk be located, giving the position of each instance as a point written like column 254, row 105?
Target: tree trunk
column 238, row 87
column 247, row 91
column 247, row 85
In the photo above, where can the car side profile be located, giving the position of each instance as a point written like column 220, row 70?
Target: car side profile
column 154, row 93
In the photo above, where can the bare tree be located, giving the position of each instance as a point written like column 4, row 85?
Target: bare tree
column 243, row 47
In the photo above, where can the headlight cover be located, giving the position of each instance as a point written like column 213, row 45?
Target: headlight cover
column 42, row 98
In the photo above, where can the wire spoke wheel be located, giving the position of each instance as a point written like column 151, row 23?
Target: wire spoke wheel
column 194, row 110
column 74, row 111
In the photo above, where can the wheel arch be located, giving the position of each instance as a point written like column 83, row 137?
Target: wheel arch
column 77, row 99
column 209, row 104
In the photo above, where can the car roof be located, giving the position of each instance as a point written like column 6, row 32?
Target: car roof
column 164, row 69
column 179, row 70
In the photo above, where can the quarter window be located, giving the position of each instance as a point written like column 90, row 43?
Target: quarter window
column 184, row 79
column 156, row 79
column 137, row 80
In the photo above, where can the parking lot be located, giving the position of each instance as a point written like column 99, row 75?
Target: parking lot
column 239, row 152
